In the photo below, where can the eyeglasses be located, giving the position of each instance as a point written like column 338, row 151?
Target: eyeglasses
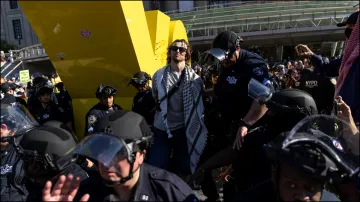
column 175, row 48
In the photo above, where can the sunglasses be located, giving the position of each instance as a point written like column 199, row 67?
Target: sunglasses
column 175, row 48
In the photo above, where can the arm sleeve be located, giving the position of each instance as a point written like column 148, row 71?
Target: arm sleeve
column 261, row 73
column 330, row 69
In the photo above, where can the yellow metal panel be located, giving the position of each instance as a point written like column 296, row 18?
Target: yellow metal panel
column 177, row 31
column 94, row 42
column 157, row 23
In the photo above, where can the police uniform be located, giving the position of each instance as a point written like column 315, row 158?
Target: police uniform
column 320, row 88
column 51, row 112
column 96, row 113
column 232, row 87
column 154, row 184
column 12, row 176
column 144, row 104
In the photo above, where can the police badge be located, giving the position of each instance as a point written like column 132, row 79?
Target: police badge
column 92, row 119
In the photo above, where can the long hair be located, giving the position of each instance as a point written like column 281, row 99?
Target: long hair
column 188, row 51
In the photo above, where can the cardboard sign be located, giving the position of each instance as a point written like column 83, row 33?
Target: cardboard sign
column 24, row 76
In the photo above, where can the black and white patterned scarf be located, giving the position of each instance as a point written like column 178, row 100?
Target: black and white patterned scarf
column 196, row 131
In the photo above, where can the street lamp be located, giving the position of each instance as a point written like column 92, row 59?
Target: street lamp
column 18, row 37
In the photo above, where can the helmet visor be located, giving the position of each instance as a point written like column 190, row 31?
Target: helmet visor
column 217, row 53
column 332, row 134
column 17, row 118
column 104, row 148
column 258, row 91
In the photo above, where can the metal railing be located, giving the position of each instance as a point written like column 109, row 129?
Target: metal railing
column 247, row 4
column 30, row 52
column 273, row 22
column 256, row 11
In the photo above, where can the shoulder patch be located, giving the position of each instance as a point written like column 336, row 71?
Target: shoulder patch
column 258, row 71
column 92, row 119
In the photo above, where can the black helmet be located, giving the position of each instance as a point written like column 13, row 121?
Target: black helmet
column 117, row 136
column 320, row 145
column 39, row 82
column 17, row 119
column 292, row 101
column 105, row 90
column 58, row 124
column 140, row 78
column 48, row 147
column 284, row 101
column 227, row 40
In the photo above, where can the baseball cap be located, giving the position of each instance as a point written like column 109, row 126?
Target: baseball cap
column 226, row 40
column 124, row 124
column 350, row 20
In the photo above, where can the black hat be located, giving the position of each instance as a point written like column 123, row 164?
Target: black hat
column 124, row 124
column 350, row 20
column 140, row 78
column 226, row 40
column 7, row 86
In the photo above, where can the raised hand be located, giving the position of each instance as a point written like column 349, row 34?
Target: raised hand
column 303, row 50
column 62, row 190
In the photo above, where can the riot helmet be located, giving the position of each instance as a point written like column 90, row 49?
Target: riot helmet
column 58, row 124
column 284, row 101
column 117, row 136
column 224, row 45
column 104, row 90
column 323, row 146
column 46, row 152
column 140, row 78
column 15, row 121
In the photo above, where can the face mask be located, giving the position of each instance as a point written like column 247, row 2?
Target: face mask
column 348, row 32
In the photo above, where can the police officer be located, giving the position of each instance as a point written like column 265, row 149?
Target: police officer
column 8, row 90
column 238, row 67
column 63, row 97
column 15, row 121
column 123, row 176
column 47, row 109
column 286, row 109
column 320, row 88
column 106, row 105
column 46, row 153
column 144, row 103
column 304, row 159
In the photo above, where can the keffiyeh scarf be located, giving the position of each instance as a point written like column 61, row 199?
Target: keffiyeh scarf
column 196, row 131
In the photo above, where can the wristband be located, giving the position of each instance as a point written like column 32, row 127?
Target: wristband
column 242, row 123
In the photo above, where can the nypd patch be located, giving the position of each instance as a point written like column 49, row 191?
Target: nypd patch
column 92, row 119
column 258, row 71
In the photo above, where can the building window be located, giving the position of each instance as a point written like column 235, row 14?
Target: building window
column 13, row 4
column 17, row 29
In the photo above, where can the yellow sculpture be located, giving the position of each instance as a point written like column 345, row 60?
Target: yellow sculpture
column 94, row 42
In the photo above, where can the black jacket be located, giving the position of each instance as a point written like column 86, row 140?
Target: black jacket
column 232, row 85
column 144, row 104
column 12, row 176
column 154, row 184
column 95, row 114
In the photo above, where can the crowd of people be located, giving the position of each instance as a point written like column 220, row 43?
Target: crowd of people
column 284, row 132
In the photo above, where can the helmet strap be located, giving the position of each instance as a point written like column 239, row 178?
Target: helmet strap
column 123, row 180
